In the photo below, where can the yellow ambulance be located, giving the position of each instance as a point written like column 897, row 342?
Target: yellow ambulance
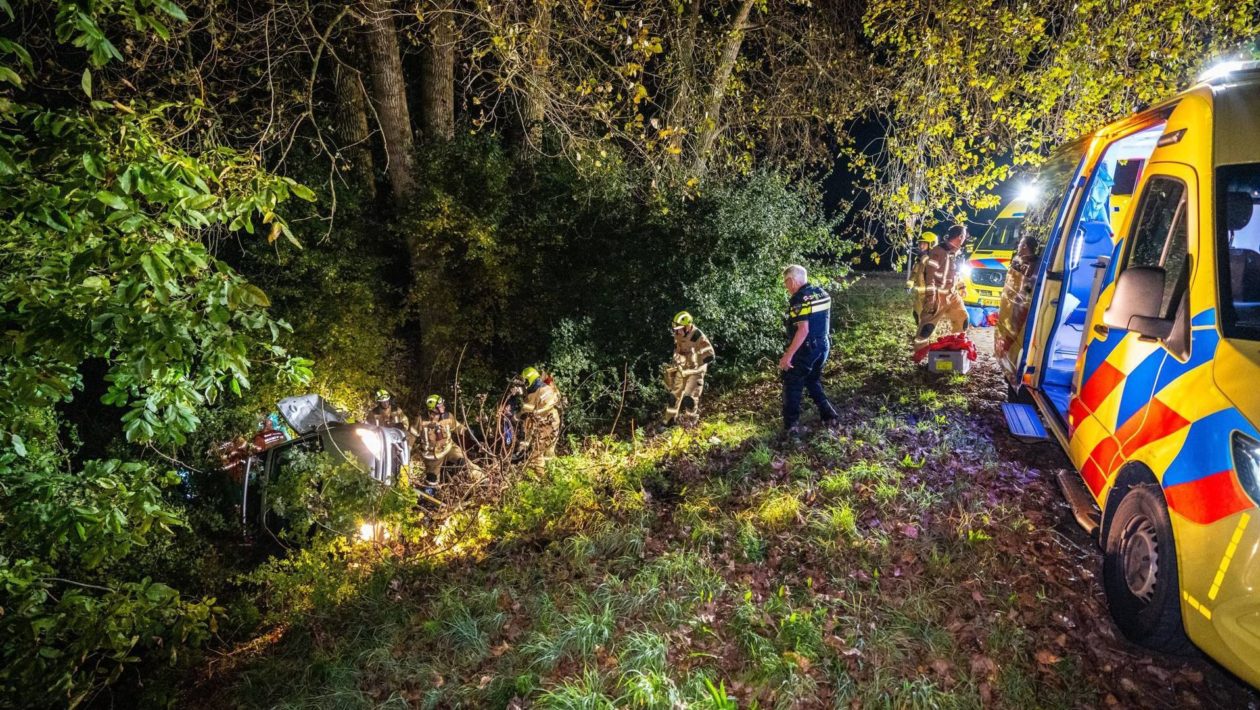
column 985, row 269
column 1133, row 326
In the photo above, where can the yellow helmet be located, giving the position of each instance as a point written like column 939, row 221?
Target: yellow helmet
column 682, row 319
column 928, row 238
column 530, row 375
column 434, row 401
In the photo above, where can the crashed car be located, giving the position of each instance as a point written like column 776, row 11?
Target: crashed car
column 380, row 451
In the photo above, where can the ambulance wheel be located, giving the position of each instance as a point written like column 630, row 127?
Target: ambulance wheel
column 1140, row 572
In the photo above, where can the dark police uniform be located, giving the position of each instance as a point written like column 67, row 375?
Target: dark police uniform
column 809, row 304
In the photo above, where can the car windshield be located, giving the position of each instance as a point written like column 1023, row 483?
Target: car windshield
column 1003, row 235
column 1238, row 239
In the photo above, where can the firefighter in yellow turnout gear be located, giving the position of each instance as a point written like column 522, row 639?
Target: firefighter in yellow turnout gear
column 435, row 437
column 540, row 418
column 942, row 297
column 684, row 376
column 918, row 273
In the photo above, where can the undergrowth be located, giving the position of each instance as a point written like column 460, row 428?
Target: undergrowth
column 715, row 568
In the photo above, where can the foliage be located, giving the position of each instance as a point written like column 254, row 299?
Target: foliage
column 527, row 261
column 983, row 89
column 104, row 260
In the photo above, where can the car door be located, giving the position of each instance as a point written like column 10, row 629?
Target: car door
column 1115, row 409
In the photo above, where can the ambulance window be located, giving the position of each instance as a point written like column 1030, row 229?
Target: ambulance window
column 1054, row 180
column 1238, row 249
column 1161, row 237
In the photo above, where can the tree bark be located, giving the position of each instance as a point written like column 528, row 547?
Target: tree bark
column 389, row 91
column 539, row 65
column 437, row 85
column 350, row 116
column 710, row 121
column 680, row 106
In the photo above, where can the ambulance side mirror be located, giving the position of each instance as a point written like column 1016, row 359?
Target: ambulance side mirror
column 1135, row 306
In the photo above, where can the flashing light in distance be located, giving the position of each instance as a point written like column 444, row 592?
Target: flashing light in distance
column 1028, row 193
column 372, row 440
column 1220, row 70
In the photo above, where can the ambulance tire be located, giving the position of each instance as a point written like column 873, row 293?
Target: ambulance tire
column 1140, row 572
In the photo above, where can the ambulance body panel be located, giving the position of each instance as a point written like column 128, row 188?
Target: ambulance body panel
column 1137, row 333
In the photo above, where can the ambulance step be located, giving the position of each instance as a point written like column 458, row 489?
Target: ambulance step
column 1024, row 422
column 1082, row 503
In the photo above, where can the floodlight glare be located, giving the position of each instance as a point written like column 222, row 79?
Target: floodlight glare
column 1027, row 194
column 1221, row 70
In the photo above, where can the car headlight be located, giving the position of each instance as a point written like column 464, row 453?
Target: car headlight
column 1247, row 464
column 372, row 440
column 965, row 272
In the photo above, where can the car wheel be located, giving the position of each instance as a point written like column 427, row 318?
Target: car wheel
column 1140, row 572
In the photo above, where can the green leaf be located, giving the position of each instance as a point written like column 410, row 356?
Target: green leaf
column 303, row 192
column 86, row 82
column 92, row 164
column 111, row 200
column 19, row 446
column 172, row 9
column 10, row 76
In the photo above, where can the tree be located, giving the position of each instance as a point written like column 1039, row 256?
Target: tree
column 974, row 90
column 104, row 258
column 437, row 85
column 389, row 91
column 711, row 117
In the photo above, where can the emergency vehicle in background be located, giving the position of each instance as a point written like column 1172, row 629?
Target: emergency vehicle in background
column 1132, row 321
column 984, row 272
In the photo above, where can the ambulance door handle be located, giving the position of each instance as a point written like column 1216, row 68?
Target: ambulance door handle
column 1102, row 330
column 1102, row 263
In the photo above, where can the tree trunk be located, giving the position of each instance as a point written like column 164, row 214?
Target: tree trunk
column 350, row 116
column 680, row 106
column 437, row 86
column 711, row 120
column 389, row 90
column 539, row 67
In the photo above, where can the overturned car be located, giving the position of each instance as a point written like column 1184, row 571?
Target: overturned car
column 317, row 429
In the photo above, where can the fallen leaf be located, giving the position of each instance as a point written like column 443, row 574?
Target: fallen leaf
column 1046, row 658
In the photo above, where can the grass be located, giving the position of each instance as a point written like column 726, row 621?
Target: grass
column 722, row 568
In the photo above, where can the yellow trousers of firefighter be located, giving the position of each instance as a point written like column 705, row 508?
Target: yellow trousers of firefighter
column 939, row 313
column 685, row 388
column 541, row 434
column 454, row 455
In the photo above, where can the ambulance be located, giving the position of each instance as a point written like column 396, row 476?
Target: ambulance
column 1129, row 331
column 984, row 273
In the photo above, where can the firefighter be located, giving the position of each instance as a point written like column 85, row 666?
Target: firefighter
column 808, row 324
column 385, row 413
column 942, row 297
column 684, row 376
column 917, row 283
column 436, row 438
column 540, row 417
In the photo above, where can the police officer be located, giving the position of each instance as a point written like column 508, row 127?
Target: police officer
column 684, row 376
column 942, row 300
column 808, row 323
column 540, row 417
column 385, row 413
column 435, row 437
